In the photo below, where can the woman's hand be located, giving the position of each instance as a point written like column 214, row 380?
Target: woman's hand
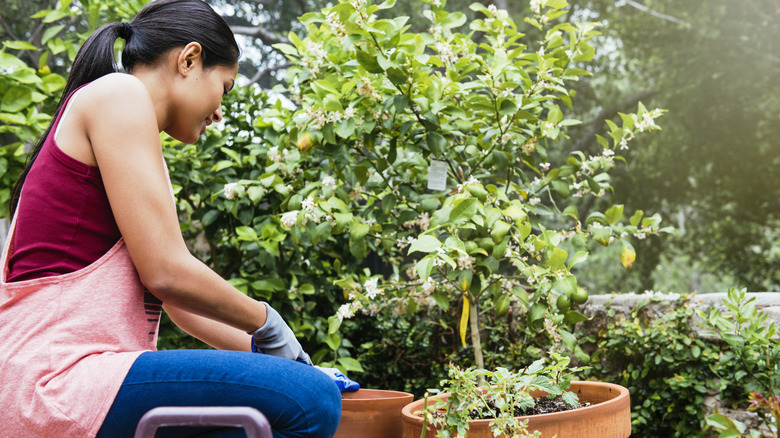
column 277, row 339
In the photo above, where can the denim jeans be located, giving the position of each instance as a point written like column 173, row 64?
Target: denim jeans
column 297, row 399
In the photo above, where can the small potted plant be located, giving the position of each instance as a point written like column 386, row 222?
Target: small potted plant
column 540, row 400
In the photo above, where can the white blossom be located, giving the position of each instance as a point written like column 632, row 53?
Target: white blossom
column 465, row 262
column 275, row 156
column 423, row 221
column 345, row 312
column 290, row 218
column 308, row 204
column 429, row 286
column 328, row 181
column 332, row 20
column 229, row 190
column 470, row 181
column 371, row 288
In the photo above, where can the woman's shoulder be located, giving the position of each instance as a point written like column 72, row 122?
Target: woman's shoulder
column 116, row 88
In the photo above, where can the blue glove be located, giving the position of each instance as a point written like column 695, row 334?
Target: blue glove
column 343, row 382
column 277, row 339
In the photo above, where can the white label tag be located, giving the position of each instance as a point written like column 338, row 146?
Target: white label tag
column 437, row 175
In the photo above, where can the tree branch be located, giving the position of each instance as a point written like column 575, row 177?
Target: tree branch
column 267, row 37
column 656, row 14
column 597, row 124
column 8, row 30
column 262, row 73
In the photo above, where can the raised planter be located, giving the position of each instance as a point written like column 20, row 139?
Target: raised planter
column 374, row 413
column 609, row 416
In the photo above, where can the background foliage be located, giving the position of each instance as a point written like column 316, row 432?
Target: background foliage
column 713, row 64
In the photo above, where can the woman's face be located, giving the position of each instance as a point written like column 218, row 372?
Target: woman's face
column 201, row 104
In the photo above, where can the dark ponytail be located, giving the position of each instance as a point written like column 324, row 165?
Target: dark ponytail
column 161, row 26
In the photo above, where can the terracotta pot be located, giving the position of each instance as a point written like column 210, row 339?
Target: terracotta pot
column 609, row 416
column 374, row 413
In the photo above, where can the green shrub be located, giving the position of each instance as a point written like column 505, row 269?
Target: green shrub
column 668, row 368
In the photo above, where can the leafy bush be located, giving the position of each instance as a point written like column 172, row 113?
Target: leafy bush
column 751, row 360
column 670, row 368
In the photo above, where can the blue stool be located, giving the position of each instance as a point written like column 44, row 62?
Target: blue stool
column 251, row 420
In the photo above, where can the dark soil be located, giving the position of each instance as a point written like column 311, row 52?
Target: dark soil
column 543, row 406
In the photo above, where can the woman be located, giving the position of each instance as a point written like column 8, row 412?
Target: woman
column 95, row 252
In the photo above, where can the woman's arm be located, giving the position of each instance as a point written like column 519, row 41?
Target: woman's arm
column 120, row 121
column 216, row 334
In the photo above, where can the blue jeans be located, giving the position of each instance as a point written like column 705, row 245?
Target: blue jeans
column 297, row 399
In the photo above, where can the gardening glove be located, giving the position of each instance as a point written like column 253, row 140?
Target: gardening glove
column 343, row 382
column 277, row 339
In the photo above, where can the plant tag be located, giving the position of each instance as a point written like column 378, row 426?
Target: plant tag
column 437, row 175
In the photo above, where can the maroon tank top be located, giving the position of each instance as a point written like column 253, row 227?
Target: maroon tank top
column 64, row 221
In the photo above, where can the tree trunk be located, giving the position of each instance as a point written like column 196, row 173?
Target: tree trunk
column 502, row 4
column 476, row 341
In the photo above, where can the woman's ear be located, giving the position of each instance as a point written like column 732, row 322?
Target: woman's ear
column 189, row 58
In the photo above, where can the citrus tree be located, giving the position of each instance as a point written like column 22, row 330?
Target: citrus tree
column 437, row 152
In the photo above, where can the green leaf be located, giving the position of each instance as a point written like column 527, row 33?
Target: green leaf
column 350, row 364
column 578, row 257
column 333, row 341
column 286, row 49
column 570, row 398
column 436, row 143
column 246, row 233
column 51, row 33
column 425, row 243
column 573, row 317
column 557, row 260
column 52, row 83
column 569, row 340
column 424, row 268
column 334, row 323
column 368, row 62
column 555, row 115
column 464, row 209
column 332, row 103
column 358, row 231
column 637, row 217
column 16, row 99
column 537, row 312
column 442, row 299
column 19, row 45
column 455, row 19
column 614, row 214
column 270, row 284
column 387, row 4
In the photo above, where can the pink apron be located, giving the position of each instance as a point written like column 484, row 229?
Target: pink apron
column 67, row 342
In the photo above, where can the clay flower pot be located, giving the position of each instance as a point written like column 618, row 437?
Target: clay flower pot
column 609, row 416
column 372, row 413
